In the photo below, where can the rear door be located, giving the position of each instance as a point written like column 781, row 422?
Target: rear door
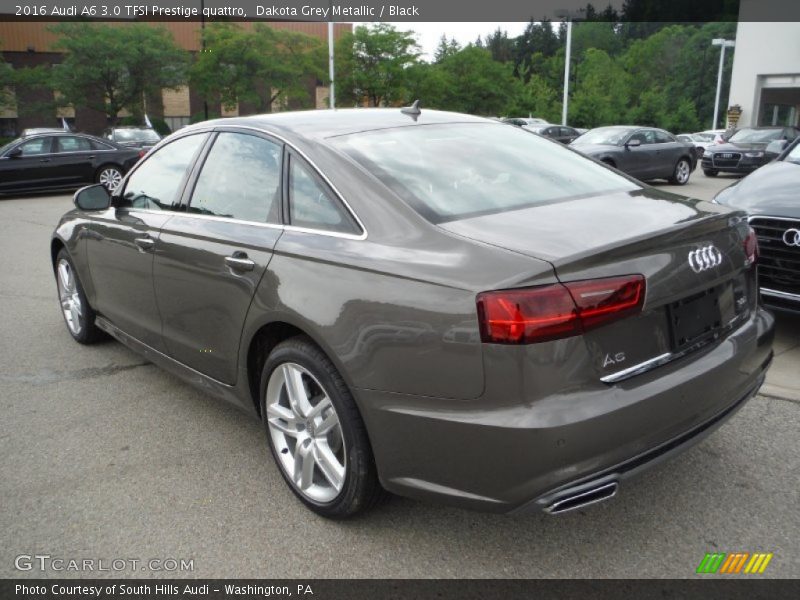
column 73, row 160
column 213, row 254
column 32, row 169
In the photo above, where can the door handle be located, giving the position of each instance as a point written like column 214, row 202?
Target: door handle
column 145, row 243
column 44, row 160
column 238, row 261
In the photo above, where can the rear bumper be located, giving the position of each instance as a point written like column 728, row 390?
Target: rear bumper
column 505, row 455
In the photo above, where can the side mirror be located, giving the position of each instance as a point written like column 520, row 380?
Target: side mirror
column 15, row 153
column 633, row 143
column 92, row 197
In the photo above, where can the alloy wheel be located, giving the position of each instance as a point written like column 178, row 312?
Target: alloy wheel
column 110, row 177
column 306, row 433
column 682, row 172
column 70, row 298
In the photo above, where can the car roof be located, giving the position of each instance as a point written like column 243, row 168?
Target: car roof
column 321, row 124
column 60, row 133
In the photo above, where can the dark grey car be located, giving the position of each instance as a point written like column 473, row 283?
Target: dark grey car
column 642, row 152
column 433, row 304
column 770, row 196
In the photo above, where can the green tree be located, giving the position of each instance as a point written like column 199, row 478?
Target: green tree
column 500, row 45
column 258, row 67
column 6, row 83
column 539, row 99
column 374, row 64
column 113, row 67
column 602, row 93
column 445, row 48
column 470, row 81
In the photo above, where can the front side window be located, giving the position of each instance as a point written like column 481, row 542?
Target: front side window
column 604, row 135
column 662, row 137
column 155, row 185
column 241, row 179
column 454, row 171
column 312, row 206
column 36, row 147
column 68, row 143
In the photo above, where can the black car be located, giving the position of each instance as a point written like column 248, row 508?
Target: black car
column 643, row 152
column 62, row 161
column 770, row 196
column 745, row 150
column 561, row 133
column 143, row 138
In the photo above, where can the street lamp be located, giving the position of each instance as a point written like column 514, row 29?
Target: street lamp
column 725, row 44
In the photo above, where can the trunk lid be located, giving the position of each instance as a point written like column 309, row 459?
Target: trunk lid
column 693, row 295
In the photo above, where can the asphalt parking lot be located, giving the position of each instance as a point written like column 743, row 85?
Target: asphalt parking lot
column 107, row 456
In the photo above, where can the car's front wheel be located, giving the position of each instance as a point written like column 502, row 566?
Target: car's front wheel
column 710, row 172
column 680, row 176
column 315, row 431
column 110, row 176
column 78, row 315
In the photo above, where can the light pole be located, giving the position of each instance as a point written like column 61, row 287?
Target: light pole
column 725, row 44
column 565, row 101
column 569, row 16
column 331, row 95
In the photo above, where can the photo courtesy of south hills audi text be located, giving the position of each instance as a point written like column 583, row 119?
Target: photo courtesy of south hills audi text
column 161, row 590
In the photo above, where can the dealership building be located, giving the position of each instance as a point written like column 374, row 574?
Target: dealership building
column 765, row 81
column 31, row 44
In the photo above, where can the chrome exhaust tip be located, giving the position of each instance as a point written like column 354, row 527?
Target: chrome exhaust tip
column 572, row 500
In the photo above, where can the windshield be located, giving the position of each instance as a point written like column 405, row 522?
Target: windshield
column 454, row 171
column 136, row 135
column 604, row 135
column 794, row 155
column 756, row 135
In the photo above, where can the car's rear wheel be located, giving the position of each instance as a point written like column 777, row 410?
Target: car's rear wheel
column 110, row 176
column 315, row 431
column 710, row 172
column 78, row 315
column 680, row 176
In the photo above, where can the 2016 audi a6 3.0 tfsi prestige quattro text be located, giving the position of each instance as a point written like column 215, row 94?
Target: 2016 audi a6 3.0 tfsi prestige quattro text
column 428, row 303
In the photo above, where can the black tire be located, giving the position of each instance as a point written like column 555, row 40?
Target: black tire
column 681, row 173
column 710, row 172
column 361, row 489
column 108, row 172
column 87, row 332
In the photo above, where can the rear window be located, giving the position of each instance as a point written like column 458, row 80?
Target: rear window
column 454, row 171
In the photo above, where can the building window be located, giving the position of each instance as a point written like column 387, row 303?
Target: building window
column 175, row 123
column 8, row 128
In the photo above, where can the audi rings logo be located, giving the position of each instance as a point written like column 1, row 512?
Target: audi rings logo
column 791, row 237
column 705, row 258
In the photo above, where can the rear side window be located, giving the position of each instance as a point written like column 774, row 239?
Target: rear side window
column 67, row 143
column 458, row 170
column 97, row 145
column 662, row 137
column 311, row 205
column 241, row 179
column 156, row 183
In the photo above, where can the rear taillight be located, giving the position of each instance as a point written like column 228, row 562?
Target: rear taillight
column 751, row 247
column 528, row 316
column 142, row 153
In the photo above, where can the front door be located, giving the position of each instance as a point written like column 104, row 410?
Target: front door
column 125, row 240
column 31, row 169
column 214, row 254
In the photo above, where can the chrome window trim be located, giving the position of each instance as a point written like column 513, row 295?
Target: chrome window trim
column 328, row 182
column 793, row 220
column 174, row 213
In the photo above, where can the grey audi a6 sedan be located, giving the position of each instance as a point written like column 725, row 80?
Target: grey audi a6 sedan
column 428, row 303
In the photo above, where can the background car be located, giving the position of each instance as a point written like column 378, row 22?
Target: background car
column 525, row 122
column 745, row 151
column 431, row 303
column 700, row 141
column 133, row 136
column 770, row 196
column 561, row 133
column 34, row 130
column 642, row 152
column 62, row 161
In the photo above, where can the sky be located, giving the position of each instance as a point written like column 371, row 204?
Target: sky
column 429, row 34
